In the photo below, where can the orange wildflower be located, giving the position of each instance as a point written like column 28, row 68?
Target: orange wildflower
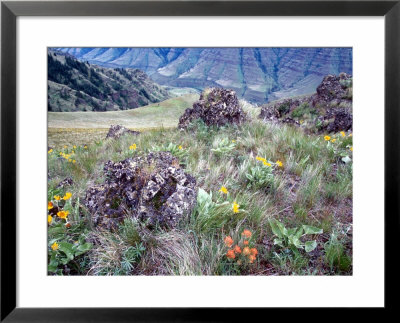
column 246, row 251
column 246, row 233
column 254, row 251
column 252, row 258
column 230, row 254
column 237, row 249
column 246, row 242
column 49, row 205
column 228, row 241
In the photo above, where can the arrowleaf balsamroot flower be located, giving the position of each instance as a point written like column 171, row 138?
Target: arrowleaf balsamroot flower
column 333, row 140
column 180, row 147
column 246, row 233
column 228, row 241
column 343, row 134
column 327, row 138
column 261, row 159
column 235, row 207
column 49, row 219
column 49, row 205
column 223, row 190
column 279, row 163
column 50, row 151
column 267, row 163
column 133, row 147
column 63, row 214
column 54, row 246
column 230, row 254
column 67, row 196
column 57, row 197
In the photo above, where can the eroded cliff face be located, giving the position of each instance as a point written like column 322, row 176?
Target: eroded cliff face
column 257, row 74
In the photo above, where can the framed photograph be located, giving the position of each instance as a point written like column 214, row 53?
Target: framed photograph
column 197, row 155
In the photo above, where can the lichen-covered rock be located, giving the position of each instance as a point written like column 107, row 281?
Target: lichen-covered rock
column 333, row 87
column 153, row 189
column 117, row 131
column 216, row 106
column 65, row 182
column 328, row 110
column 335, row 120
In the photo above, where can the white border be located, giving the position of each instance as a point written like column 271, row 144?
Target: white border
column 364, row 288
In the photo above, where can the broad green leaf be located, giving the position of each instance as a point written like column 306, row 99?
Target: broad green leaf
column 291, row 232
column 299, row 233
column 310, row 245
column 275, row 228
column 278, row 242
column 67, row 248
column 53, row 264
column 308, row 229
column 295, row 241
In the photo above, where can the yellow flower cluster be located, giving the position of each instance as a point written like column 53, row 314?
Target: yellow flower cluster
column 235, row 207
column 267, row 163
column 56, row 209
column 133, row 147
column 223, row 190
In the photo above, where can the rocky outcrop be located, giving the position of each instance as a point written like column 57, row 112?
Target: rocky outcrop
column 153, row 189
column 216, row 106
column 117, row 131
column 328, row 110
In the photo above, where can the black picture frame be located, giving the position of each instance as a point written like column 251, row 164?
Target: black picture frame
column 10, row 10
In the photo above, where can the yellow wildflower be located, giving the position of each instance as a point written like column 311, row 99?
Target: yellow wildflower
column 233, row 141
column 235, row 207
column 70, row 160
column 57, row 197
column 267, row 163
column 50, row 151
column 49, row 205
column 279, row 163
column 74, row 161
column 351, row 148
column 63, row 214
column 65, row 146
column 327, row 138
column 54, row 246
column 261, row 159
column 49, row 219
column 74, row 147
column 133, row 147
column 85, row 147
column 351, row 135
column 67, row 196
column 180, row 147
column 223, row 190
column 73, row 152
column 333, row 140
column 343, row 134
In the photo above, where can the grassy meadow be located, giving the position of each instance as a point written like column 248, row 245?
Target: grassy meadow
column 272, row 199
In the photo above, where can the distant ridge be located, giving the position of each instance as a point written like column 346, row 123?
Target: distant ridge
column 74, row 85
column 258, row 75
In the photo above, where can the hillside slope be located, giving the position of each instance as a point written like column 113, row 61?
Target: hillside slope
column 258, row 75
column 163, row 114
column 80, row 86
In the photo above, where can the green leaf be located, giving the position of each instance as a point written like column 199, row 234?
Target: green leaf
column 278, row 242
column 310, row 245
column 276, row 228
column 53, row 264
column 67, row 248
column 308, row 229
